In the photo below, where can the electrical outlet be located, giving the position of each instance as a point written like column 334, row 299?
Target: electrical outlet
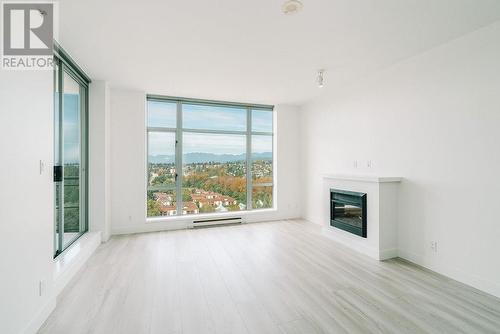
column 434, row 246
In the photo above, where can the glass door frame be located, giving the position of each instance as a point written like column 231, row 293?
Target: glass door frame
column 64, row 64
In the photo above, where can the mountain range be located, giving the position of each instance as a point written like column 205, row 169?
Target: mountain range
column 198, row 157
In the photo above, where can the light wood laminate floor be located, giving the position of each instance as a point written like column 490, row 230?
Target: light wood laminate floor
column 280, row 277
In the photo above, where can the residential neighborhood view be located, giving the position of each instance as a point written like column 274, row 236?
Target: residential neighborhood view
column 218, row 185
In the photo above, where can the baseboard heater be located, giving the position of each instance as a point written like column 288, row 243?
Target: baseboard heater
column 219, row 221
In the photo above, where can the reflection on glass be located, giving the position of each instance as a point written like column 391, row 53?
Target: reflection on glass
column 262, row 159
column 349, row 214
column 262, row 197
column 162, row 114
column 71, row 158
column 57, row 160
column 57, row 213
column 213, row 117
column 71, row 189
column 71, row 222
column 262, row 120
column 214, row 173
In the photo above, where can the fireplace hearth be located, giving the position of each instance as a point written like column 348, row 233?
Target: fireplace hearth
column 348, row 211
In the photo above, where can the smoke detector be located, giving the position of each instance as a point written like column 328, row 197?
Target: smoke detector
column 291, row 7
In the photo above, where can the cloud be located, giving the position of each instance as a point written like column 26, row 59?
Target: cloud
column 214, row 143
column 161, row 143
column 262, row 120
column 262, row 144
column 213, row 118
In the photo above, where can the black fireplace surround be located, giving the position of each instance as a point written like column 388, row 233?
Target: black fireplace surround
column 348, row 211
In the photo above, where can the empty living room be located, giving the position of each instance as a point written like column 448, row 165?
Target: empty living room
column 250, row 167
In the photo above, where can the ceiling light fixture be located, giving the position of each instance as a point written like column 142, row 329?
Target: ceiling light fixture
column 321, row 78
column 291, row 7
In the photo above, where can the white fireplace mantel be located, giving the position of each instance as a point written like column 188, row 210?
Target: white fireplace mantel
column 363, row 178
column 382, row 213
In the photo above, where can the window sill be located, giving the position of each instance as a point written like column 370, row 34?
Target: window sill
column 210, row 216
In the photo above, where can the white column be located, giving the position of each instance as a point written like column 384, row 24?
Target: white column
column 99, row 161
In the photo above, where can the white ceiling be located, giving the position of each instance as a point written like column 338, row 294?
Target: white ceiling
column 249, row 51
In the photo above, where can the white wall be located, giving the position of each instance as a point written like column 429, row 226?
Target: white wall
column 99, row 159
column 433, row 119
column 128, row 167
column 26, row 199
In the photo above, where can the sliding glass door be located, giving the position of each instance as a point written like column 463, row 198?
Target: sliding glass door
column 70, row 155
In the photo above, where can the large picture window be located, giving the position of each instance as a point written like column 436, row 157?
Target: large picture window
column 205, row 157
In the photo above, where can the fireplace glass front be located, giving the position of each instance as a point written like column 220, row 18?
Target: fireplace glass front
column 348, row 211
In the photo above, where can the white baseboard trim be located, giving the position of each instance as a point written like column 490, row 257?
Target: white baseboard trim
column 41, row 316
column 461, row 276
column 152, row 227
column 183, row 223
column 386, row 254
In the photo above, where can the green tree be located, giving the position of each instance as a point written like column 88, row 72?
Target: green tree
column 153, row 208
column 262, row 198
column 207, row 209
column 186, row 195
column 235, row 207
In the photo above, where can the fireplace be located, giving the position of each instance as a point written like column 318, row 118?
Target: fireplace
column 348, row 211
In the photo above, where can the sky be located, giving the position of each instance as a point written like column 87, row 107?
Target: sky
column 163, row 114
column 163, row 143
column 213, row 143
column 71, row 121
column 71, row 128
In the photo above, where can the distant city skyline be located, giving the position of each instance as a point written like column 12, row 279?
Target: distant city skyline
column 200, row 157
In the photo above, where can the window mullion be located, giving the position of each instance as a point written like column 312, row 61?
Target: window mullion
column 178, row 159
column 217, row 132
column 249, row 159
column 256, row 133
